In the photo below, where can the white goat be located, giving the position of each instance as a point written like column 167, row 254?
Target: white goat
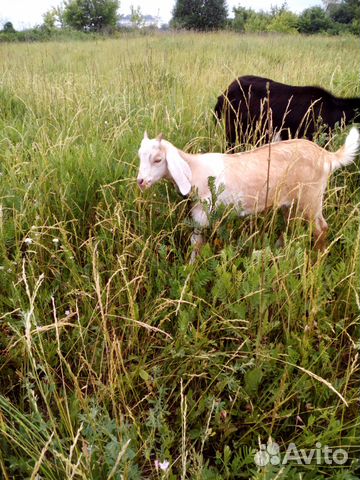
column 292, row 172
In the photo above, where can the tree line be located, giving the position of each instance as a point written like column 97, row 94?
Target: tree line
column 335, row 17
column 94, row 16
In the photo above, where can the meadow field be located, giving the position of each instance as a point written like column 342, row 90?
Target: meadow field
column 116, row 353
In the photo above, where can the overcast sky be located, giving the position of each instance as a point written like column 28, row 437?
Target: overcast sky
column 27, row 13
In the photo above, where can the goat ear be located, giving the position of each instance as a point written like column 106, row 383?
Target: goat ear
column 146, row 135
column 179, row 170
column 159, row 137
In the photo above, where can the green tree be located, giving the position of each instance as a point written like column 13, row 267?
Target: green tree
column 355, row 7
column 137, row 18
column 91, row 15
column 200, row 14
column 340, row 13
column 185, row 13
column 315, row 20
column 241, row 16
column 214, row 14
column 345, row 12
column 8, row 27
column 50, row 19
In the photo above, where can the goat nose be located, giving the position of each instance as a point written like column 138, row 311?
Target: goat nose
column 141, row 183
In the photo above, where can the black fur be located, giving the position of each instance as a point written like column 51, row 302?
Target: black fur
column 295, row 111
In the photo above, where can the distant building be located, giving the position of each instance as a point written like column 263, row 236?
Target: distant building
column 125, row 21
column 150, row 21
column 147, row 21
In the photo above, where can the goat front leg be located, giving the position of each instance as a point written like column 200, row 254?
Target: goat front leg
column 201, row 221
column 287, row 215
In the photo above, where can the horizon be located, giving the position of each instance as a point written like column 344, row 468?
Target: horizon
column 23, row 14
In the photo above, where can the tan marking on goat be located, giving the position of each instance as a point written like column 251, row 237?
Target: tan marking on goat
column 298, row 175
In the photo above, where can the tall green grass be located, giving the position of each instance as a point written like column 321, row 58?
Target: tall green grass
column 115, row 351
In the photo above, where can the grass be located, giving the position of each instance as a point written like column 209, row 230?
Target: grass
column 115, row 351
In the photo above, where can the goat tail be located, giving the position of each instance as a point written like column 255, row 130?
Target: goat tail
column 347, row 153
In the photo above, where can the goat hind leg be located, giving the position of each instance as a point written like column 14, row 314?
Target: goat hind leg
column 320, row 234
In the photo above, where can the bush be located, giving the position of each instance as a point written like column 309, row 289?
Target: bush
column 257, row 22
column 40, row 34
column 285, row 22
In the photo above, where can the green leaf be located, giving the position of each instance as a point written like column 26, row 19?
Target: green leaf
column 252, row 380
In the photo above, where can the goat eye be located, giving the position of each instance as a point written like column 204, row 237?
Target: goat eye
column 157, row 160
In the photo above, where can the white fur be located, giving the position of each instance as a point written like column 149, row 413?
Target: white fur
column 178, row 169
column 350, row 150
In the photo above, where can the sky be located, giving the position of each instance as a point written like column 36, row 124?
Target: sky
column 28, row 13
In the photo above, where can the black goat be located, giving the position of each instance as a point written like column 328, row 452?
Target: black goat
column 293, row 112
